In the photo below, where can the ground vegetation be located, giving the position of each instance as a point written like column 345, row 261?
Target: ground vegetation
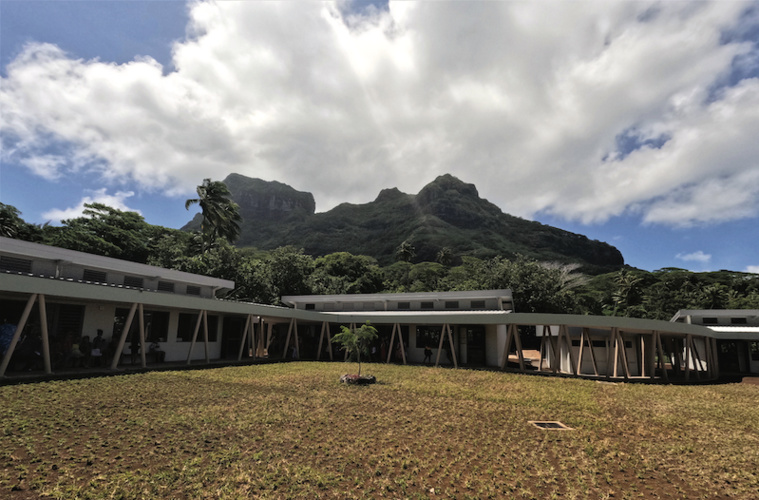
column 291, row 430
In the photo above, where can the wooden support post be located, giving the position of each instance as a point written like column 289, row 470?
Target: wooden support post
column 260, row 349
column 402, row 343
column 19, row 328
column 592, row 351
column 553, row 342
column 440, row 346
column 195, row 334
column 688, row 357
column 518, row 344
column 392, row 341
column 269, row 335
column 287, row 339
column 642, row 355
column 579, row 354
column 616, row 351
column 244, row 337
column 659, row 346
column 254, row 339
column 699, row 365
column 625, row 361
column 453, row 347
column 564, row 332
column 507, row 347
column 297, row 341
column 329, row 340
column 141, row 320
column 396, row 327
column 716, row 357
column 205, row 335
column 542, row 352
column 321, row 342
column 659, row 360
column 710, row 356
column 122, row 339
column 45, row 334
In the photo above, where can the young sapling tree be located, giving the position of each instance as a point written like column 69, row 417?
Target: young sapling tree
column 356, row 341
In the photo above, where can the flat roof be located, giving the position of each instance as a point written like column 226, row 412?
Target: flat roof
column 27, row 250
column 630, row 325
column 57, row 288
column 73, row 290
column 405, row 297
column 716, row 313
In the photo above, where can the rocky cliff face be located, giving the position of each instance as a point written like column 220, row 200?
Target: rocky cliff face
column 445, row 213
column 260, row 199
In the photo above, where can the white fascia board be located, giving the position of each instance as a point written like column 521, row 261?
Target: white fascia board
column 631, row 325
column 27, row 250
column 395, row 297
column 418, row 317
column 737, row 332
column 716, row 313
column 73, row 290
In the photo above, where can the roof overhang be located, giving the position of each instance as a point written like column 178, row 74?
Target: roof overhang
column 27, row 250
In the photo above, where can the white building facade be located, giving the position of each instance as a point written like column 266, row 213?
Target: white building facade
column 50, row 297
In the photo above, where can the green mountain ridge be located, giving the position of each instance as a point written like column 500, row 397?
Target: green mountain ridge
column 445, row 213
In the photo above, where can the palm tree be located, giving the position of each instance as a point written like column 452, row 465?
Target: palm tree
column 221, row 216
column 445, row 256
column 405, row 251
column 627, row 293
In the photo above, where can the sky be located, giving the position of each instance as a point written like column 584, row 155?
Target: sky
column 632, row 122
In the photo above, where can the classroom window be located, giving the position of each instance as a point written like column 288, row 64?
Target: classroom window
column 156, row 325
column 15, row 264
column 427, row 336
column 186, row 327
column 133, row 281
column 95, row 276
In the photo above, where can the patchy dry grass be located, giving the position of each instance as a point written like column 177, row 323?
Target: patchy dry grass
column 291, row 431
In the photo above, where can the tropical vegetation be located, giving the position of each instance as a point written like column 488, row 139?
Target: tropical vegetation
column 221, row 215
column 356, row 341
column 264, row 276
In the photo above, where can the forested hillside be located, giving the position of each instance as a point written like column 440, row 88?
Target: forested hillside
column 446, row 214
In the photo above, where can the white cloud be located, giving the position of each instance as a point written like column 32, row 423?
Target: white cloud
column 117, row 200
column 523, row 99
column 697, row 256
column 752, row 269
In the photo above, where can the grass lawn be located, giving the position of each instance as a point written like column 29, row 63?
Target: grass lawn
column 292, row 431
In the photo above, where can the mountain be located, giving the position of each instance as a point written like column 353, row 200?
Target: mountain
column 445, row 213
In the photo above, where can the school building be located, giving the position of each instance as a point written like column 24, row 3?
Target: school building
column 50, row 298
